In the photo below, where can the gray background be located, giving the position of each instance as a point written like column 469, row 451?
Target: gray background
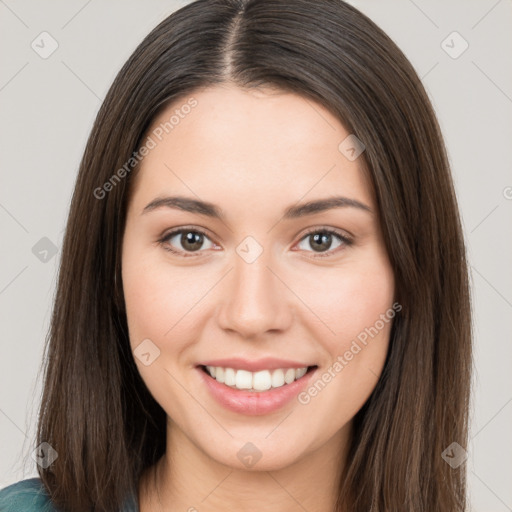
column 47, row 109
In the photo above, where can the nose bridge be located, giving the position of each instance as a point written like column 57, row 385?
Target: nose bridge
column 256, row 301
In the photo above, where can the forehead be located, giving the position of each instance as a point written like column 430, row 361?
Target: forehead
column 251, row 145
column 254, row 119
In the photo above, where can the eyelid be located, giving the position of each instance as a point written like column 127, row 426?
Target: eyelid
column 346, row 239
column 344, row 235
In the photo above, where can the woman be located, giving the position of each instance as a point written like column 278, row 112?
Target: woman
column 263, row 298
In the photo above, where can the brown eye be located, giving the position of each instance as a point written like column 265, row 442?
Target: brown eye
column 324, row 241
column 191, row 241
column 185, row 241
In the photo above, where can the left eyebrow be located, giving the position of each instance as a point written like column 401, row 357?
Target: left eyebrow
column 321, row 205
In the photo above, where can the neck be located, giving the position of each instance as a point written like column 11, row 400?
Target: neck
column 188, row 479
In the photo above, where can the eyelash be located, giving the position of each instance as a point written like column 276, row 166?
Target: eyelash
column 163, row 241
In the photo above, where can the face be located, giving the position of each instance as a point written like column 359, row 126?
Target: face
column 251, row 281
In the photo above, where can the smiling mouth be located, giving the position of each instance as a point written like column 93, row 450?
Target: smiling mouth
column 260, row 381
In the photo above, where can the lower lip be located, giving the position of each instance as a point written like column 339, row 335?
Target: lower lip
column 254, row 403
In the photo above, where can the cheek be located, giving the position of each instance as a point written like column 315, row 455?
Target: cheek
column 349, row 298
column 157, row 301
column 148, row 297
column 162, row 307
column 357, row 306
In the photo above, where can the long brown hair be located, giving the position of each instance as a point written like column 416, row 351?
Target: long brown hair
column 97, row 413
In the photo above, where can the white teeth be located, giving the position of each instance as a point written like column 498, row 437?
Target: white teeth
column 289, row 376
column 229, row 377
column 261, row 381
column 219, row 374
column 301, row 372
column 243, row 379
column 256, row 381
column 277, row 378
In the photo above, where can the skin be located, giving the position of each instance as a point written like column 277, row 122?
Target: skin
column 253, row 153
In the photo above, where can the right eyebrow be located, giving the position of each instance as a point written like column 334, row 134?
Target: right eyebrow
column 186, row 204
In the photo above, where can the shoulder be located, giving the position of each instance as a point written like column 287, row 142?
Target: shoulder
column 28, row 495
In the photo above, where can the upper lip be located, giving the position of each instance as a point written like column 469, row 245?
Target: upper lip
column 266, row 363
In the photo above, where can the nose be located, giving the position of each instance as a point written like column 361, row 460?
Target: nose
column 255, row 299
